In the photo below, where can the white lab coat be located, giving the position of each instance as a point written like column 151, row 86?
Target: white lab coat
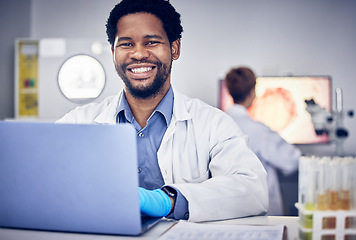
column 203, row 154
column 272, row 150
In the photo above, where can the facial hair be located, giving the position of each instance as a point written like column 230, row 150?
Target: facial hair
column 153, row 89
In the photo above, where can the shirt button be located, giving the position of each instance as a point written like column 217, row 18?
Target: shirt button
column 140, row 134
column 139, row 170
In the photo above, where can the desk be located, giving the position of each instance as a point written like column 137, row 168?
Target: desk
column 154, row 233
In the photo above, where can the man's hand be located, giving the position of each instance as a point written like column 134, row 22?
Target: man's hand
column 154, row 203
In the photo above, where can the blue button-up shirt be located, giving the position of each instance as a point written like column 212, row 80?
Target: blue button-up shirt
column 148, row 141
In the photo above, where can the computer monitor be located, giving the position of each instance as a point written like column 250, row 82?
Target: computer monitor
column 280, row 104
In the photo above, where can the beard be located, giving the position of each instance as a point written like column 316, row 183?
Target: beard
column 143, row 92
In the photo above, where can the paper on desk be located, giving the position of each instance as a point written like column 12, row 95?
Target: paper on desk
column 184, row 230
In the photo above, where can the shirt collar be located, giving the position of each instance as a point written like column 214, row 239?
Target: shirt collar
column 124, row 109
column 238, row 108
column 165, row 107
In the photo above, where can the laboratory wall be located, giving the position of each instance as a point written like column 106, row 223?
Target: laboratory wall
column 14, row 23
column 275, row 37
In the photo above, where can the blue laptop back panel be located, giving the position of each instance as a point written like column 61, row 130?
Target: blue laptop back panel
column 68, row 177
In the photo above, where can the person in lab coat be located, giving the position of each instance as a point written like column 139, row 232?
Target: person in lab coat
column 194, row 162
column 274, row 152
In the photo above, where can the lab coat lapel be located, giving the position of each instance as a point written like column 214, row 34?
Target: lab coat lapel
column 108, row 115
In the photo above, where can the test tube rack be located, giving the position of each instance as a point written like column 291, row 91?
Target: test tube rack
column 327, row 225
column 327, row 198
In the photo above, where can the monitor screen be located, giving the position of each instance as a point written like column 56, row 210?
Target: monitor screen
column 280, row 104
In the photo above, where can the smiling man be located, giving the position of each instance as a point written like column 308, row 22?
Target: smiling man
column 193, row 160
column 143, row 58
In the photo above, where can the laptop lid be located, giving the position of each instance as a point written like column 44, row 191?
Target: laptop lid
column 69, row 177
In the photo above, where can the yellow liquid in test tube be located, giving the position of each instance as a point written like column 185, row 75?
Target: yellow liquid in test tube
column 310, row 206
column 333, row 200
column 322, row 202
column 345, row 202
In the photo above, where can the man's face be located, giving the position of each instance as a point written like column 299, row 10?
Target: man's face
column 143, row 55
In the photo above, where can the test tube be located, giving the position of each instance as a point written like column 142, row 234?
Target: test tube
column 305, row 193
column 322, row 184
column 301, row 180
column 333, row 172
column 310, row 184
column 346, row 183
column 353, row 184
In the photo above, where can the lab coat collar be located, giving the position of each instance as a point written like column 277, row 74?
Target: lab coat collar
column 180, row 112
column 108, row 115
column 180, row 106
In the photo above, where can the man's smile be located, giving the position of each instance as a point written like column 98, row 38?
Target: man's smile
column 141, row 69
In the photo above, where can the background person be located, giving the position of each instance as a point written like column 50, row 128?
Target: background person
column 193, row 159
column 274, row 152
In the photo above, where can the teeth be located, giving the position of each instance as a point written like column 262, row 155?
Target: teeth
column 141, row 70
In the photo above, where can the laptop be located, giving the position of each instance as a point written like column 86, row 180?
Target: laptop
column 70, row 178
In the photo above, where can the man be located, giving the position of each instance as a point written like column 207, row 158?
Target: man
column 193, row 160
column 272, row 150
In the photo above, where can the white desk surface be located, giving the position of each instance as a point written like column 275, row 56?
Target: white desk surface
column 154, row 233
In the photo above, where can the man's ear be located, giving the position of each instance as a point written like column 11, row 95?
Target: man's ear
column 175, row 49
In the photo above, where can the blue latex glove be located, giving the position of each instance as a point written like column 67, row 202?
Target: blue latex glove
column 154, row 203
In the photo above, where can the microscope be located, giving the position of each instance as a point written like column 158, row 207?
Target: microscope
column 330, row 123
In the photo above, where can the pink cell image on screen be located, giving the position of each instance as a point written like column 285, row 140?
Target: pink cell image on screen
column 280, row 104
column 282, row 113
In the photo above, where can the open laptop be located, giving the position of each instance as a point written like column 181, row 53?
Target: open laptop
column 70, row 177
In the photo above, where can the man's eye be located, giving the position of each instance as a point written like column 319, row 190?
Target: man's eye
column 152, row 43
column 125, row 45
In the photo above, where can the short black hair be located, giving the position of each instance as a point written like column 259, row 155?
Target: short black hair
column 162, row 9
column 240, row 82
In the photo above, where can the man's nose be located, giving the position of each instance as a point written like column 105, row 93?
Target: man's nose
column 140, row 52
